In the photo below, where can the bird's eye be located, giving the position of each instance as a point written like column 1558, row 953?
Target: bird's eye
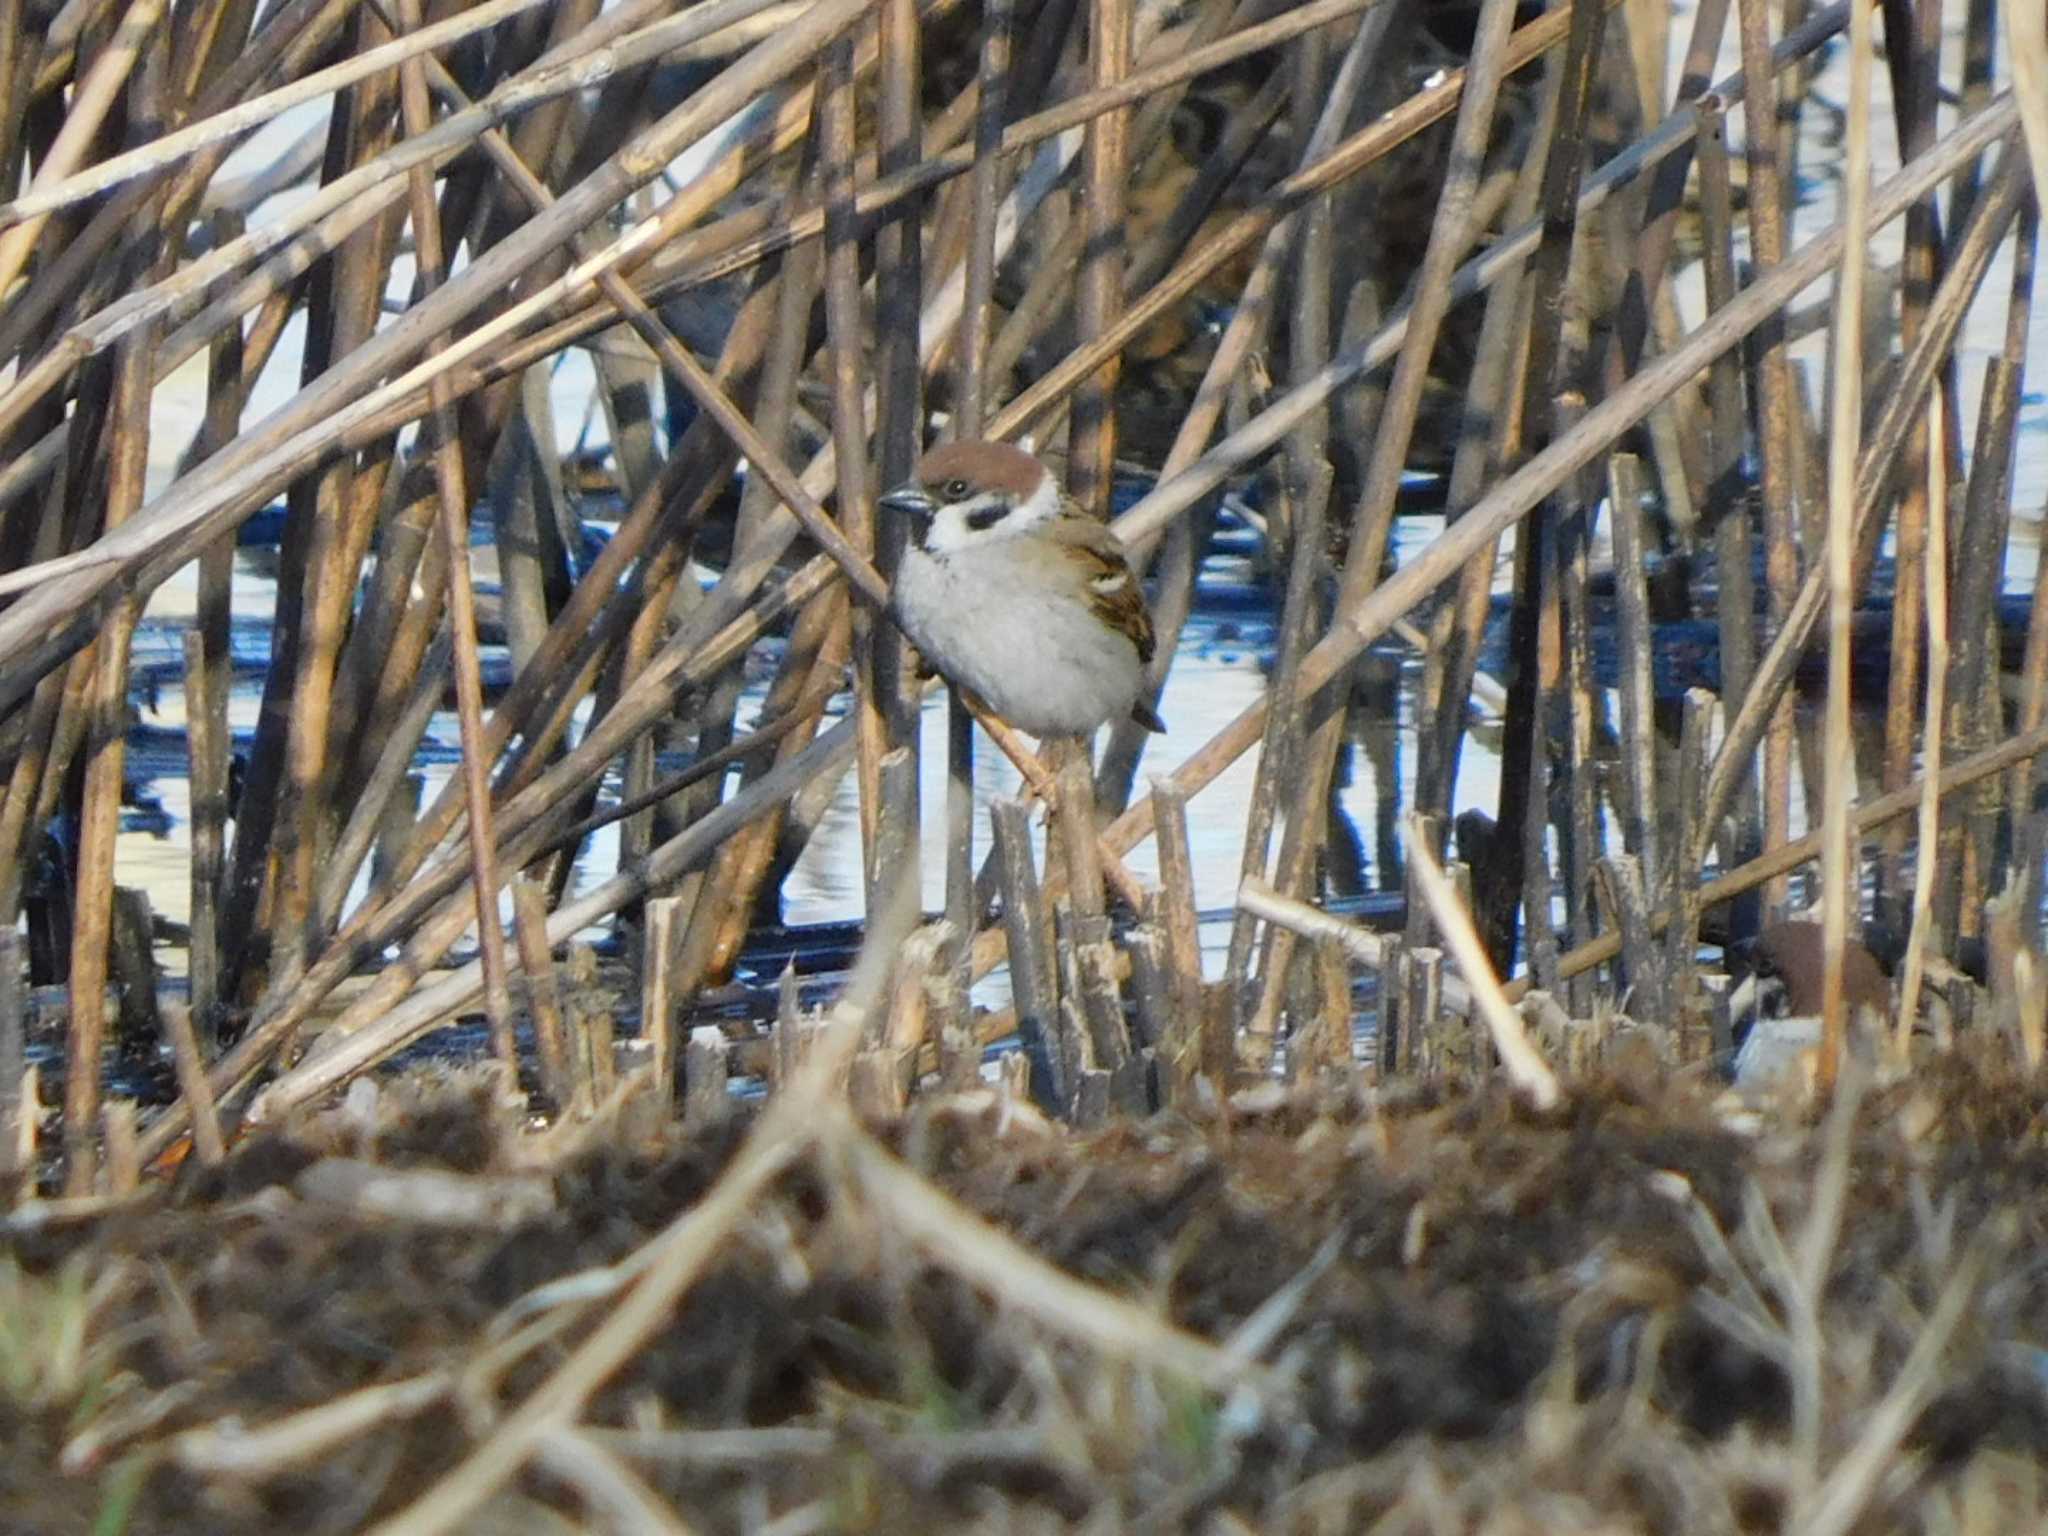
column 955, row 489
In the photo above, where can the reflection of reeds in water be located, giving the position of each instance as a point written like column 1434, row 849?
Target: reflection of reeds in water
column 1234, row 249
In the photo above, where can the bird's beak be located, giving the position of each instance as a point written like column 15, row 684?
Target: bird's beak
column 910, row 499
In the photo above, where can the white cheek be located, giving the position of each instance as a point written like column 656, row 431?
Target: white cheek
column 948, row 533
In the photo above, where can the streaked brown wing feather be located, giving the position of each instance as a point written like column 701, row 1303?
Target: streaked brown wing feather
column 1121, row 606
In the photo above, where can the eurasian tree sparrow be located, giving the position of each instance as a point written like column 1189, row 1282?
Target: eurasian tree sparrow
column 1791, row 955
column 1016, row 595
column 1787, row 965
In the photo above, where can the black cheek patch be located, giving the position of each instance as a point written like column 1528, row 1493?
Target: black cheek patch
column 981, row 519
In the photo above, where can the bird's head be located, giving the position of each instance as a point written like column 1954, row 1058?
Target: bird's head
column 967, row 495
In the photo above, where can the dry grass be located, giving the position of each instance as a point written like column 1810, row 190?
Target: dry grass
column 1431, row 1311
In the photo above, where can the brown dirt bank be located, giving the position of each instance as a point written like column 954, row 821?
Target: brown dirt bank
column 1446, row 1315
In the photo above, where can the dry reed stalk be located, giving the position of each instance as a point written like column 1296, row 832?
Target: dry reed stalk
column 558, row 1076
column 1840, row 896
column 1686, row 899
column 610, row 1488
column 2027, row 35
column 208, row 665
column 524, row 485
column 1522, row 875
column 1626, row 897
column 1041, row 776
column 1928, row 828
column 907, row 1025
column 1666, row 195
column 1186, row 1050
column 379, row 794
column 1581, row 829
column 1028, row 928
column 121, row 1174
column 899, row 415
column 846, row 356
column 1099, row 285
column 53, row 730
column 661, row 996
column 15, row 1084
column 1981, row 547
column 1913, row 39
column 1771, row 393
column 22, row 1137
column 1311, row 922
column 207, row 1143
column 1641, row 820
column 1733, row 538
column 24, row 785
column 971, row 387
column 14, row 40
column 100, row 815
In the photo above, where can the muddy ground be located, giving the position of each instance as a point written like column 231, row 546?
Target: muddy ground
column 1646, row 1313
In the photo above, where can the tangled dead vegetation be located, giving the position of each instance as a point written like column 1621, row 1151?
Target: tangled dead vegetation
column 1435, row 1311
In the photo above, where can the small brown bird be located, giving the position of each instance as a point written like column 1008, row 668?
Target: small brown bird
column 1793, row 955
column 1016, row 595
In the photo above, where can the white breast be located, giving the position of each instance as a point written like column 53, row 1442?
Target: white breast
column 1036, row 656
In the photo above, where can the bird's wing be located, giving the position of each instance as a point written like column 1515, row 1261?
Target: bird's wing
column 1113, row 590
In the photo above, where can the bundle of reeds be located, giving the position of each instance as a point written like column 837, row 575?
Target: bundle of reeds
column 796, row 244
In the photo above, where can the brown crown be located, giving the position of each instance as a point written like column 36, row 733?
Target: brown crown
column 985, row 466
